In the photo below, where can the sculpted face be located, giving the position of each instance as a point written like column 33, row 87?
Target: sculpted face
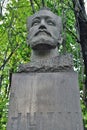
column 44, row 29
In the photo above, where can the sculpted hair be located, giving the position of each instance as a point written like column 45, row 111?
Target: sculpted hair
column 45, row 8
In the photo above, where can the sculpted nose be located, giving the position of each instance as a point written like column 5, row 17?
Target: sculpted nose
column 42, row 25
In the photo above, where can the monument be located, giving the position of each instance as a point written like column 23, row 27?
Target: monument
column 44, row 93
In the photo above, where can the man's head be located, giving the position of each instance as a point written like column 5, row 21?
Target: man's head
column 44, row 29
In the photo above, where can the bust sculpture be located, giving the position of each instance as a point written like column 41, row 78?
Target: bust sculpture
column 44, row 38
column 44, row 33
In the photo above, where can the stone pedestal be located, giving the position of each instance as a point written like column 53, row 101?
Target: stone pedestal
column 45, row 101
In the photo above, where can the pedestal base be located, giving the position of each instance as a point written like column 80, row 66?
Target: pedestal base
column 45, row 101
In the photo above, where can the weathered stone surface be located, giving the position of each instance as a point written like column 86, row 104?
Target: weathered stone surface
column 45, row 101
column 55, row 64
column 44, row 30
column 44, row 34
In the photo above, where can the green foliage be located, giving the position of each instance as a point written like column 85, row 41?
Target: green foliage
column 14, row 50
column 84, row 113
column 3, row 112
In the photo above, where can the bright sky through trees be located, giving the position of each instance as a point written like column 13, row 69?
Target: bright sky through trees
column 14, row 50
column 85, row 5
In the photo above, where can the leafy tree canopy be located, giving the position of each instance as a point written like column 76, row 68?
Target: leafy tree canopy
column 14, row 49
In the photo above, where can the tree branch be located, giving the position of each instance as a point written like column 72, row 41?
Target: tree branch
column 81, row 19
column 73, row 34
column 37, row 3
column 5, row 61
column 43, row 3
column 32, row 5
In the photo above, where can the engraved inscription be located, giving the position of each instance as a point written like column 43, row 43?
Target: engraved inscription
column 16, row 122
column 50, row 115
column 40, row 120
column 31, row 121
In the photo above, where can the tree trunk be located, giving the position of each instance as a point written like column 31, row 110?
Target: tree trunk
column 81, row 22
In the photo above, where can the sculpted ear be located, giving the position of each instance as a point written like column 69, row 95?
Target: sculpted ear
column 29, row 22
column 60, row 38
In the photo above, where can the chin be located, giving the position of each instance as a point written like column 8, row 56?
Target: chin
column 43, row 47
column 43, row 43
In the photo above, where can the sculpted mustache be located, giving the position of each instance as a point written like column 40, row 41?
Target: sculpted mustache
column 48, row 33
column 35, row 33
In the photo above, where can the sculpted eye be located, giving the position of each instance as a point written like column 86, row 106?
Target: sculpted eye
column 50, row 22
column 35, row 22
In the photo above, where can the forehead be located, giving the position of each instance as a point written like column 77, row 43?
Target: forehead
column 44, row 14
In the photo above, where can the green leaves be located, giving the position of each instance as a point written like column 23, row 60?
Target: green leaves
column 14, row 49
column 3, row 112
